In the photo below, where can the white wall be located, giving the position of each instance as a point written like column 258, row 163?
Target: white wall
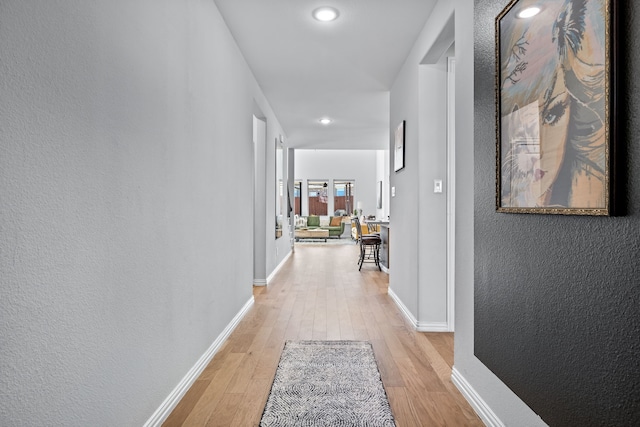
column 126, row 187
column 418, row 215
column 358, row 165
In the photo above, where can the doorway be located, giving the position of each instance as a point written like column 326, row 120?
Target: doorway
column 436, row 279
column 259, row 202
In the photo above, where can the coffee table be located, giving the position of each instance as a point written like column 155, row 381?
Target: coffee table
column 311, row 233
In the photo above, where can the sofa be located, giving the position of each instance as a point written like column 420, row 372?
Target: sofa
column 333, row 224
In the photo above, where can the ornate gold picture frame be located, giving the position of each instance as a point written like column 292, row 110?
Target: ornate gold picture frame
column 554, row 74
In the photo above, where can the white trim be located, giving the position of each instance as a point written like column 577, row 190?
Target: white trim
column 259, row 282
column 161, row 414
column 403, row 308
column 451, row 193
column 419, row 326
column 433, row 327
column 275, row 270
column 483, row 410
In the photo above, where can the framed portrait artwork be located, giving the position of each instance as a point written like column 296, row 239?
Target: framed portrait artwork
column 398, row 147
column 554, row 70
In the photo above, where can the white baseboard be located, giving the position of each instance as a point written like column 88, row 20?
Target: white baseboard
column 483, row 410
column 275, row 270
column 419, row 326
column 261, row 282
column 163, row 412
column 265, row 282
column 403, row 308
column 433, row 327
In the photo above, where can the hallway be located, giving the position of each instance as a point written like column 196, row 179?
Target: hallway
column 319, row 294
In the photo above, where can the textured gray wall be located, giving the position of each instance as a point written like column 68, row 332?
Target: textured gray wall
column 557, row 298
column 122, row 124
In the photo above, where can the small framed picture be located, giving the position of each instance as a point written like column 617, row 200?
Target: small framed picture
column 398, row 152
column 554, row 71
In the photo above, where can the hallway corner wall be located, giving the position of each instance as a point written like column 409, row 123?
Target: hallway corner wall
column 418, row 272
column 498, row 405
column 491, row 398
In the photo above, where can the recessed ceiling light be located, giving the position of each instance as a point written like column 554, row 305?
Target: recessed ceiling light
column 529, row 12
column 325, row 120
column 325, row 13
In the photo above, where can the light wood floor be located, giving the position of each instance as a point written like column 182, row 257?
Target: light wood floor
column 320, row 294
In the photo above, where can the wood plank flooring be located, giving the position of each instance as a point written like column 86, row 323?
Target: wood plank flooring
column 320, row 294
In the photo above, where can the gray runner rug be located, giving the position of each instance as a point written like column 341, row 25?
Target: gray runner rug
column 327, row 383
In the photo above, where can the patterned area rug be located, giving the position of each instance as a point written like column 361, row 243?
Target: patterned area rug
column 327, row 383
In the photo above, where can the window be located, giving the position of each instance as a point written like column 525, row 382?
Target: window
column 318, row 197
column 343, row 196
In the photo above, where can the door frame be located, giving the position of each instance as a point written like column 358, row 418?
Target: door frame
column 451, row 194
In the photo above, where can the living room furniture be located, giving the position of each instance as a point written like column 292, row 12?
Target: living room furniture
column 312, row 233
column 364, row 228
column 369, row 247
column 334, row 225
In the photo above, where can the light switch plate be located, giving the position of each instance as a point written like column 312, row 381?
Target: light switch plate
column 393, row 191
column 437, row 186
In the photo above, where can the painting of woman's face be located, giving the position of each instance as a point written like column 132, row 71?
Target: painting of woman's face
column 536, row 137
column 551, row 88
column 535, row 133
column 554, row 127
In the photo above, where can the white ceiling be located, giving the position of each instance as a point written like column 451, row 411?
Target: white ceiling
column 342, row 69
